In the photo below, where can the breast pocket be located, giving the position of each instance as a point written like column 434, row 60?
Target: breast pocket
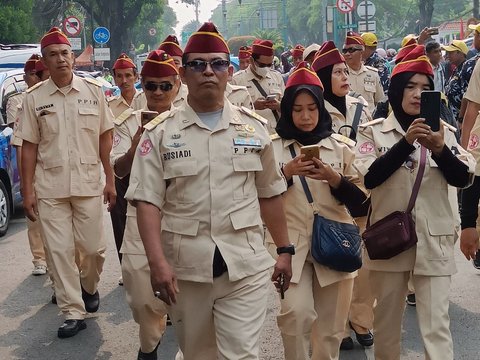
column 243, row 182
column 49, row 124
column 180, row 174
column 438, row 180
column 88, row 119
column 369, row 86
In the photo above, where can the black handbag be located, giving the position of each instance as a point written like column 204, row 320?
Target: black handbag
column 335, row 244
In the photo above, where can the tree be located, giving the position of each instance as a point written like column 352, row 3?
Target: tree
column 426, row 12
column 16, row 25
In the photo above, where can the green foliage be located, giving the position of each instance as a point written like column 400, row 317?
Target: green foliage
column 191, row 27
column 272, row 35
column 16, row 25
column 235, row 42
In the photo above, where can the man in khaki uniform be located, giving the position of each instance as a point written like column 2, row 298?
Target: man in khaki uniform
column 364, row 80
column 260, row 76
column 160, row 82
column 202, row 174
column 66, row 132
column 244, row 54
column 130, row 99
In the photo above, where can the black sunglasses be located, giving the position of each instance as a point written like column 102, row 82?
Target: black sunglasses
column 262, row 65
column 153, row 86
column 350, row 50
column 217, row 65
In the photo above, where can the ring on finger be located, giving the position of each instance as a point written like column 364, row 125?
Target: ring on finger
column 157, row 294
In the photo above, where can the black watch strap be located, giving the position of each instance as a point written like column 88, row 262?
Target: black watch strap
column 290, row 249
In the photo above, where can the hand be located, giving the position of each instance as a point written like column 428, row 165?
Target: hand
column 417, row 130
column 260, row 104
column 30, row 205
column 434, row 141
column 325, row 172
column 283, row 266
column 164, row 280
column 469, row 242
column 136, row 138
column 424, row 35
column 273, row 104
column 109, row 195
column 298, row 167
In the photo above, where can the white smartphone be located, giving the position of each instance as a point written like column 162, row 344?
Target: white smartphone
column 271, row 97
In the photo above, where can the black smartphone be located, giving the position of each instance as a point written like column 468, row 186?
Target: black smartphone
column 148, row 116
column 282, row 284
column 430, row 108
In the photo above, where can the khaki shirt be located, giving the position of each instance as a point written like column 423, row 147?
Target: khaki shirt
column 14, row 113
column 119, row 105
column 207, row 184
column 181, row 95
column 433, row 215
column 239, row 96
column 67, row 130
column 366, row 82
column 299, row 212
column 272, row 84
column 473, row 89
column 338, row 120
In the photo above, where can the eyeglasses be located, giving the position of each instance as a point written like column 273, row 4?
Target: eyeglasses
column 350, row 50
column 153, row 86
column 262, row 65
column 217, row 65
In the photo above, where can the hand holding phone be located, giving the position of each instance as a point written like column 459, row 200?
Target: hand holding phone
column 148, row 116
column 271, row 97
column 310, row 152
column 430, row 104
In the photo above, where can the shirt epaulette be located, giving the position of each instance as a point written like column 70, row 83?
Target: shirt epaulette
column 34, row 87
column 343, row 139
column 238, row 87
column 274, row 136
column 253, row 114
column 111, row 98
column 123, row 116
column 373, row 122
column 158, row 120
column 93, row 81
column 449, row 127
column 371, row 68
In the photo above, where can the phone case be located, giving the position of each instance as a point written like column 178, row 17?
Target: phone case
column 430, row 108
column 312, row 151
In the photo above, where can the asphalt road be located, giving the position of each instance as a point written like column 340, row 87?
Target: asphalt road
column 28, row 322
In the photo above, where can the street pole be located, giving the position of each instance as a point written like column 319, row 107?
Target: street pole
column 284, row 32
column 224, row 18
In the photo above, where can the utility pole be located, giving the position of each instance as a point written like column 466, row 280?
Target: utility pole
column 284, row 30
column 224, row 18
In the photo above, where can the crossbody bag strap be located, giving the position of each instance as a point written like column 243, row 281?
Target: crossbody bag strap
column 356, row 119
column 264, row 94
column 306, row 189
column 418, row 179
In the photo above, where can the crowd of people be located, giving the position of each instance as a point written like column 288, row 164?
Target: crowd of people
column 212, row 196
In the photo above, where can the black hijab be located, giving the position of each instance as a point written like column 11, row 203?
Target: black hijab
column 395, row 97
column 287, row 129
column 339, row 102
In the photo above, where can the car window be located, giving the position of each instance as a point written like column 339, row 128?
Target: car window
column 10, row 86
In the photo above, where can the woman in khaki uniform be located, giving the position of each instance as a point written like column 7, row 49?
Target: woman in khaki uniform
column 388, row 153
column 316, row 305
column 347, row 113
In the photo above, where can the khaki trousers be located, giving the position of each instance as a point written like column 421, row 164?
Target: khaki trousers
column 223, row 319
column 36, row 242
column 148, row 312
column 311, row 312
column 432, row 297
column 73, row 234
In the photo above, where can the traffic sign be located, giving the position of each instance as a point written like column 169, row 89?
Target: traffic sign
column 366, row 10
column 347, row 26
column 101, row 35
column 76, row 43
column 367, row 26
column 101, row 54
column 152, row 31
column 72, row 26
column 345, row 6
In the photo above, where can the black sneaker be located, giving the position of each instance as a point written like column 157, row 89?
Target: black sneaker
column 91, row 301
column 476, row 261
column 71, row 328
column 411, row 300
column 347, row 344
column 148, row 356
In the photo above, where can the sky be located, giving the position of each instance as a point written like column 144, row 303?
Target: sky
column 186, row 14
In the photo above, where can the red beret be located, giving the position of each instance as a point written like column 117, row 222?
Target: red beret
column 415, row 61
column 39, row 66
column 354, row 39
column 207, row 39
column 159, row 64
column 262, row 47
column 327, row 55
column 409, row 46
column 54, row 36
column 297, row 51
column 302, row 75
column 244, row 52
column 124, row 62
column 30, row 64
column 171, row 46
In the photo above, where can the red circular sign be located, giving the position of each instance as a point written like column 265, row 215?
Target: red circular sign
column 72, row 26
column 345, row 6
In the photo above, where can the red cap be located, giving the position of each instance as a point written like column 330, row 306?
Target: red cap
column 354, row 39
column 409, row 46
column 297, row 51
column 262, row 47
column 124, row 62
column 415, row 61
column 171, row 46
column 244, row 52
column 39, row 66
column 159, row 64
column 327, row 55
column 30, row 64
column 207, row 39
column 54, row 36
column 302, row 75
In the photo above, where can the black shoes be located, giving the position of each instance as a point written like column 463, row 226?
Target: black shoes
column 148, row 356
column 411, row 300
column 71, row 328
column 92, row 302
column 363, row 339
column 476, row 261
column 347, row 344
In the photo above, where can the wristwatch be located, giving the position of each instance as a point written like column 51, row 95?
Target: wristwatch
column 290, row 249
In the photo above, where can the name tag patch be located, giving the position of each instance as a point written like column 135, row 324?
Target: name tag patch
column 247, row 142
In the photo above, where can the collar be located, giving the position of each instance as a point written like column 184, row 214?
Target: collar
column 391, row 124
column 229, row 116
column 333, row 110
column 362, row 69
column 325, row 143
column 251, row 75
column 52, row 87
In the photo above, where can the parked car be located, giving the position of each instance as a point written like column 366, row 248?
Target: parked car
column 14, row 56
column 11, row 82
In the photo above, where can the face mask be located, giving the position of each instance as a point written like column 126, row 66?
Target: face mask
column 262, row 71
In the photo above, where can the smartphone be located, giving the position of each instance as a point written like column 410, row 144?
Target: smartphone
column 271, row 97
column 148, row 116
column 430, row 108
column 282, row 286
column 310, row 152
column 433, row 31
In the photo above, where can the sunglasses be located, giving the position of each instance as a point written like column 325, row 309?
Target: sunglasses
column 217, row 65
column 350, row 50
column 262, row 65
column 153, row 86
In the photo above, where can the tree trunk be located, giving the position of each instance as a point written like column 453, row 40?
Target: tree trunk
column 426, row 12
column 476, row 14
